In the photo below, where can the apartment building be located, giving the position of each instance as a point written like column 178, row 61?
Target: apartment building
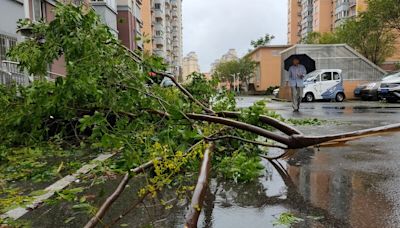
column 190, row 65
column 294, row 21
column 307, row 16
column 147, row 30
column 10, row 12
column 167, row 33
column 129, row 23
column 229, row 56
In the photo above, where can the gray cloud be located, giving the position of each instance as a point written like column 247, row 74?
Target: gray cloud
column 211, row 27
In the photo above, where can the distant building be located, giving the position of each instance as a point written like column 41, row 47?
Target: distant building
column 229, row 56
column 190, row 65
column 130, row 23
column 147, row 31
column 167, row 32
column 305, row 16
column 268, row 69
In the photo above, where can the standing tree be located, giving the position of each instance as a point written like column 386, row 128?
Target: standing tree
column 262, row 41
column 320, row 38
column 242, row 70
column 368, row 35
column 387, row 11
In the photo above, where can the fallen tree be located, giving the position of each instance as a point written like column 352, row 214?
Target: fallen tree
column 108, row 101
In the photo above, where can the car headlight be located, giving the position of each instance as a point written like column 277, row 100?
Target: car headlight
column 370, row 86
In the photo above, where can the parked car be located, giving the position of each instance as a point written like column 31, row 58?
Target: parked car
column 390, row 88
column 326, row 84
column 367, row 91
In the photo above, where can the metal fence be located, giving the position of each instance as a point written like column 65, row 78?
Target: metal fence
column 338, row 56
column 10, row 74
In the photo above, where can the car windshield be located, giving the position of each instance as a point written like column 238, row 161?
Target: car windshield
column 311, row 76
column 391, row 77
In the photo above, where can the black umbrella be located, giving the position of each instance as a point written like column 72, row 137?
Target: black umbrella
column 304, row 59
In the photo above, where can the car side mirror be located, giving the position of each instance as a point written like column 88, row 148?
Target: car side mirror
column 315, row 80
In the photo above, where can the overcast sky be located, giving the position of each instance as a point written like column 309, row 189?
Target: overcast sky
column 211, row 27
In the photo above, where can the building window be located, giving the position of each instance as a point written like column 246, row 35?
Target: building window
column 159, row 33
column 38, row 9
column 6, row 42
column 157, row 6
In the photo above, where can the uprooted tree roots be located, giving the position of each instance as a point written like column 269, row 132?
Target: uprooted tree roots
column 108, row 101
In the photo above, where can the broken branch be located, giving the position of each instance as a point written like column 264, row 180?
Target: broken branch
column 246, row 140
column 196, row 204
column 281, row 126
column 111, row 199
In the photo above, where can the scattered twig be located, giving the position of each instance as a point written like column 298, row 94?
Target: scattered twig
column 111, row 199
column 140, row 200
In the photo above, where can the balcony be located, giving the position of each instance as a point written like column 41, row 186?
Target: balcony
column 159, row 40
column 158, row 13
column 174, row 13
column 10, row 74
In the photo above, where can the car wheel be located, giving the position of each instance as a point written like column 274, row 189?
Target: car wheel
column 339, row 97
column 309, row 97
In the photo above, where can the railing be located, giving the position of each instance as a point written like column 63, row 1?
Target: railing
column 10, row 74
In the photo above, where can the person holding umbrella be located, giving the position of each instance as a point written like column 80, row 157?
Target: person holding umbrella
column 297, row 72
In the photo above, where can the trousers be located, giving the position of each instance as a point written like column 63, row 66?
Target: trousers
column 297, row 96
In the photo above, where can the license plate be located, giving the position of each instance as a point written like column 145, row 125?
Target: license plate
column 384, row 90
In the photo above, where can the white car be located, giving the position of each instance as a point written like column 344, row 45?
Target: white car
column 326, row 84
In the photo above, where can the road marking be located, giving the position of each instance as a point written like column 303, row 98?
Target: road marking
column 52, row 189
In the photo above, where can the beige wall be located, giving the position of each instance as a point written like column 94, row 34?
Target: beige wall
column 293, row 20
column 147, row 27
column 323, row 11
column 269, row 63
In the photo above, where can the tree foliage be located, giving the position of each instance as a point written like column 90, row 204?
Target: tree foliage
column 107, row 101
column 262, row 41
column 242, row 69
column 387, row 11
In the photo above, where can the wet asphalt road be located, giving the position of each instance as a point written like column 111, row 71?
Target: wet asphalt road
column 356, row 185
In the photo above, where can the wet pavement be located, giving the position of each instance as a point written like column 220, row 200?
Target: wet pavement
column 356, row 185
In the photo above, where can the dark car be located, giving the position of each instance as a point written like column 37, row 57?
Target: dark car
column 367, row 91
column 390, row 88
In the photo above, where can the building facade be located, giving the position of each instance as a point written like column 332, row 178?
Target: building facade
column 10, row 12
column 268, row 69
column 190, row 65
column 147, row 31
column 229, row 56
column 167, row 33
column 307, row 16
column 130, row 24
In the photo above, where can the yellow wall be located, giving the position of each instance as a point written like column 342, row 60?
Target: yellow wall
column 147, row 25
column 323, row 16
column 269, row 60
column 293, row 20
